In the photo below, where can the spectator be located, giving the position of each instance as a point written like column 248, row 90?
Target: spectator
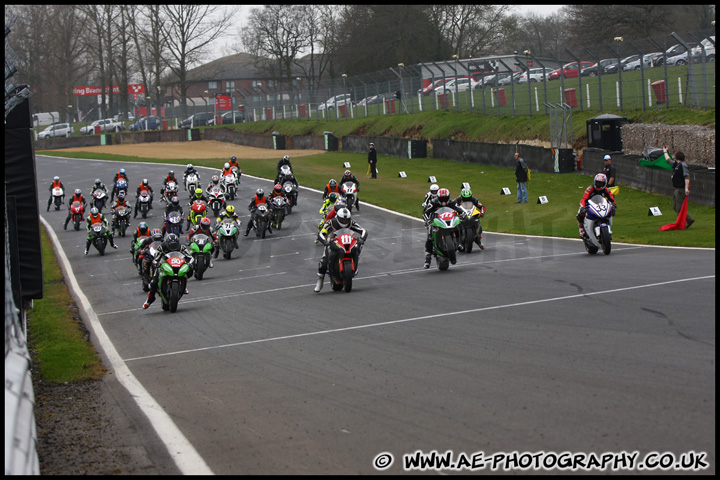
column 521, row 176
column 680, row 181
column 372, row 160
column 609, row 171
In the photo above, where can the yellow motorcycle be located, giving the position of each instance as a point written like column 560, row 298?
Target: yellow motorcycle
column 470, row 228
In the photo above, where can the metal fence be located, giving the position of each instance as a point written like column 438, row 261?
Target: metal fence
column 660, row 80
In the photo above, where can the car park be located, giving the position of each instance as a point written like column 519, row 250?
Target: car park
column 535, row 75
column 56, row 130
column 491, row 80
column 335, row 102
column 455, row 85
column 510, row 79
column 202, row 119
column 613, row 68
column 673, row 51
column 430, row 88
column 635, row 64
column 569, row 70
column 598, row 67
column 375, row 99
column 106, row 125
column 146, row 123
column 679, row 59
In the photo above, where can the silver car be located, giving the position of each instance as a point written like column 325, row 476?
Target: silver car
column 56, row 130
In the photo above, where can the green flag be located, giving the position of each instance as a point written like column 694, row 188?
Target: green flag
column 659, row 162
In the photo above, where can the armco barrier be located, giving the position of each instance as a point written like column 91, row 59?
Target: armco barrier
column 391, row 146
column 239, row 138
column 538, row 159
column 307, row 142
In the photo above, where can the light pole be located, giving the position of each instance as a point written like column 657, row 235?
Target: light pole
column 205, row 99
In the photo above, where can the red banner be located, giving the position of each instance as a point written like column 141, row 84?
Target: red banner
column 96, row 90
column 223, row 102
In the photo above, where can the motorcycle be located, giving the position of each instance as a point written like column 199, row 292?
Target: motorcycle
column 291, row 193
column 170, row 191
column 343, row 255
column 445, row 236
column 230, row 186
column 597, row 224
column 98, row 233
column 99, row 199
column 120, row 186
column 121, row 219
column 227, row 232
column 77, row 211
column 174, row 272
column 144, row 203
column 145, row 259
column 238, row 172
column 198, row 210
column 174, row 223
column 192, row 182
column 216, row 199
column 279, row 209
column 137, row 254
column 470, row 227
column 261, row 220
column 201, row 248
column 58, row 196
column 349, row 192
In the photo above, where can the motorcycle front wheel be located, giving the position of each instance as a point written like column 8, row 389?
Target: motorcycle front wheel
column 347, row 275
column 174, row 296
column 199, row 266
column 605, row 241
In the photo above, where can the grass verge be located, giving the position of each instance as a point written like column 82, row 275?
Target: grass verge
column 57, row 335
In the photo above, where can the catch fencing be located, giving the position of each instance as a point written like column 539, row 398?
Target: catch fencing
column 659, row 81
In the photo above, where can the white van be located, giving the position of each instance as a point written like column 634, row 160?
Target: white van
column 45, row 118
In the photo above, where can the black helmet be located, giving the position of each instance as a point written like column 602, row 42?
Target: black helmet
column 174, row 200
column 143, row 227
column 259, row 192
column 233, row 158
column 172, row 242
column 97, row 182
column 333, row 197
column 157, row 234
column 171, row 174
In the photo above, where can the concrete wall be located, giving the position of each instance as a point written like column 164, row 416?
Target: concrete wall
column 538, row 159
column 392, row 146
column 239, row 138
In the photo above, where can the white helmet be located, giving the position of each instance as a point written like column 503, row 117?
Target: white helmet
column 227, row 165
column 343, row 217
column 600, row 181
column 434, row 188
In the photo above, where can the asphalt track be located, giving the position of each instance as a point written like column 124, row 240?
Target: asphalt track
column 530, row 346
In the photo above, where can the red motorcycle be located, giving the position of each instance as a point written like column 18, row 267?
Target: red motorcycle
column 77, row 210
column 343, row 256
column 198, row 211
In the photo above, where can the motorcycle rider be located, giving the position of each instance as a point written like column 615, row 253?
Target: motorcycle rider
column 120, row 201
column 77, row 197
column 215, row 183
column 342, row 219
column 349, row 177
column 205, row 227
column 467, row 196
column 142, row 231
column 170, row 177
column 190, row 170
column 174, row 206
column 284, row 161
column 332, row 186
column 56, row 183
column 431, row 195
column 120, row 174
column 282, row 178
column 234, row 164
column 93, row 218
column 328, row 203
column 170, row 244
column 143, row 187
column 229, row 212
column 278, row 192
column 227, row 170
column 98, row 185
column 257, row 199
column 598, row 187
column 197, row 195
column 443, row 200
column 339, row 203
column 155, row 236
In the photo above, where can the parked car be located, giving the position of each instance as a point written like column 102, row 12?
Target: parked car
column 569, row 70
column 374, row 99
column 510, row 79
column 336, row 101
column 490, row 80
column 679, row 59
column 671, row 52
column 128, row 116
column 432, row 86
column 56, row 130
column 535, row 75
column 459, row 85
column 613, row 68
column 106, row 125
column 635, row 64
column 599, row 66
column 146, row 123
column 232, row 117
column 709, row 50
column 202, row 119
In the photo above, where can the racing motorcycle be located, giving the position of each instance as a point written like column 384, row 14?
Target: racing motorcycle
column 58, row 196
column 291, row 193
column 99, row 199
column 144, row 203
column 216, row 199
column 230, row 185
column 343, row 255
column 238, row 173
column 121, row 219
column 349, row 193
column 170, row 191
column 279, row 208
column 145, row 259
column 201, row 247
column 445, row 237
column 98, row 234
column 173, row 276
column 192, row 182
column 198, row 210
column 227, row 232
column 261, row 220
column 174, row 223
column 77, row 210
column 470, row 227
column 597, row 224
column 120, row 186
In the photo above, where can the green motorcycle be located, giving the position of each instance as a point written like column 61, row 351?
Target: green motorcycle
column 173, row 275
column 201, row 247
column 227, row 232
column 445, row 234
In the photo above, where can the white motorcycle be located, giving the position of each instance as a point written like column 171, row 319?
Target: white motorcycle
column 597, row 224
column 230, row 184
column 58, row 196
column 192, row 182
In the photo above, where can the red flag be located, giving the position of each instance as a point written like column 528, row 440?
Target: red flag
column 681, row 219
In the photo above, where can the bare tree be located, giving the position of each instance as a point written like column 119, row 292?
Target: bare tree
column 188, row 30
column 472, row 30
column 319, row 23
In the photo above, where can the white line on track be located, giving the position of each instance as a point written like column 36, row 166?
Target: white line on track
column 414, row 319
